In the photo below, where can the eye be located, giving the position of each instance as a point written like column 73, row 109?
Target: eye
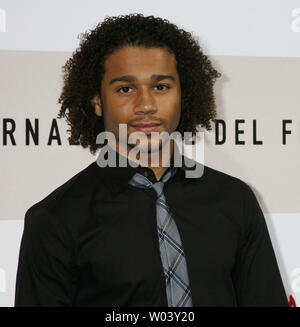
column 125, row 89
column 162, row 87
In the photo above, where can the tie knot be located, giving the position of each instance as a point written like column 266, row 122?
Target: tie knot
column 158, row 187
column 139, row 180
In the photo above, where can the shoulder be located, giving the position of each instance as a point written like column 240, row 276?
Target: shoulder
column 224, row 183
column 227, row 195
column 213, row 179
column 228, row 192
column 235, row 197
column 214, row 184
column 67, row 200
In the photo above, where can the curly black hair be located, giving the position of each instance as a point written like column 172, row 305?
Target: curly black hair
column 83, row 72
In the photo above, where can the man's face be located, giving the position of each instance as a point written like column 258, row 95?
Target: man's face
column 140, row 86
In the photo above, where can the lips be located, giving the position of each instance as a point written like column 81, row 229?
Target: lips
column 146, row 127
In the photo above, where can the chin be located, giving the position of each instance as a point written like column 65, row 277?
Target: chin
column 145, row 147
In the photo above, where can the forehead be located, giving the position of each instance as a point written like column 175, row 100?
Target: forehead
column 140, row 61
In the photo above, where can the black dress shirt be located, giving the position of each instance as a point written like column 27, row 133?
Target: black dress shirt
column 93, row 242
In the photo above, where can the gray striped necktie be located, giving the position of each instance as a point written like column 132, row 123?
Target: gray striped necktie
column 171, row 250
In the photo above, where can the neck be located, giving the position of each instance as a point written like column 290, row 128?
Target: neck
column 160, row 159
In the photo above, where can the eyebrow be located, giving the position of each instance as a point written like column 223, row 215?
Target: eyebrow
column 131, row 78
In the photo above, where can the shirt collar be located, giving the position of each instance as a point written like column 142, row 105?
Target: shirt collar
column 117, row 178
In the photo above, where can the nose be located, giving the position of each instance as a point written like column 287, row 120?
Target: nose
column 145, row 103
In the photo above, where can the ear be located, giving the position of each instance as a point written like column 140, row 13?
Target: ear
column 96, row 103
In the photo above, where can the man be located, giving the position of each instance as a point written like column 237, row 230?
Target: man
column 144, row 235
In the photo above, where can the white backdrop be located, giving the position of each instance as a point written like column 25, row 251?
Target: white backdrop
column 254, row 44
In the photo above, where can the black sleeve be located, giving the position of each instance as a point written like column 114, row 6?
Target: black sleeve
column 256, row 274
column 46, row 273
